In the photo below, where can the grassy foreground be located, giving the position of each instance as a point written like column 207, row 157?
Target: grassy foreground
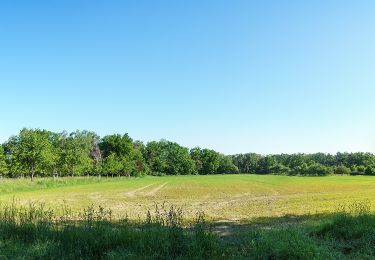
column 221, row 197
column 34, row 232
column 188, row 217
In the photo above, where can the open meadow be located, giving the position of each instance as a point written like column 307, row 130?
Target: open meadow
column 220, row 197
column 196, row 217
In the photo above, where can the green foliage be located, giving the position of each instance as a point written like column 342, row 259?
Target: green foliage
column 247, row 163
column 360, row 169
column 3, row 164
column 170, row 158
column 207, row 161
column 226, row 165
column 282, row 169
column 75, row 152
column 303, row 164
column 43, row 153
column 112, row 165
column 123, row 156
column 352, row 231
column 282, row 244
column 266, row 165
column 343, row 170
column 370, row 170
column 210, row 162
column 317, row 169
column 32, row 151
column 120, row 145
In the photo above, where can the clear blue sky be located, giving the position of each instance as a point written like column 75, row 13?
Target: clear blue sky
column 235, row 76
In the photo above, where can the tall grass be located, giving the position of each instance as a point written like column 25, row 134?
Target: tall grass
column 36, row 232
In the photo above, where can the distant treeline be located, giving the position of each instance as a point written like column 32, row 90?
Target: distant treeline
column 35, row 152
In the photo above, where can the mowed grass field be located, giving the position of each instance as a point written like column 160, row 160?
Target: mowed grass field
column 220, row 197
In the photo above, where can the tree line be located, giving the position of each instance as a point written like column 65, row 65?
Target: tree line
column 36, row 152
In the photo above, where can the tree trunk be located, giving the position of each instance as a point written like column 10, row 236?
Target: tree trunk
column 32, row 173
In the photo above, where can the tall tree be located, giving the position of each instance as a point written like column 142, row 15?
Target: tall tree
column 267, row 164
column 126, row 151
column 207, row 161
column 112, row 165
column 226, row 165
column 3, row 164
column 32, row 150
column 247, row 163
column 169, row 158
column 75, row 154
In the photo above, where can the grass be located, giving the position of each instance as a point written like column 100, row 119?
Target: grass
column 188, row 217
column 34, row 232
column 221, row 197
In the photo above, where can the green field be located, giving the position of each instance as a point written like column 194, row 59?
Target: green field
column 245, row 217
column 221, row 197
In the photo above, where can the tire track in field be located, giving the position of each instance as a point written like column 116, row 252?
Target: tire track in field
column 154, row 191
column 133, row 192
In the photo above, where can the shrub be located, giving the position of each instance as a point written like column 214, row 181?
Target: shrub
column 342, row 170
column 317, row 169
column 281, row 169
column 370, row 170
column 361, row 169
column 158, row 174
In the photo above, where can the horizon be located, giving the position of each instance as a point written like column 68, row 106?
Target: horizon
column 240, row 77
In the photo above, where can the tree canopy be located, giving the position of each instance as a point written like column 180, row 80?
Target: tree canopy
column 43, row 153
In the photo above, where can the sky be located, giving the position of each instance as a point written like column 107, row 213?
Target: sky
column 235, row 76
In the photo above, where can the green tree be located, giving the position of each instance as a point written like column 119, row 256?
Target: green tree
column 169, row 158
column 295, row 161
column 75, row 152
column 32, row 151
column 317, row 169
column 226, row 165
column 112, row 165
column 207, row 161
column 361, row 169
column 3, row 164
column 370, row 170
column 266, row 165
column 156, row 157
column 126, row 151
column 343, row 170
column 196, row 155
column 247, row 163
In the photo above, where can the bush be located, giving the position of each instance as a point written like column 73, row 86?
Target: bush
column 370, row 170
column 281, row 169
column 300, row 170
column 158, row 174
column 317, row 169
column 361, row 169
column 342, row 170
